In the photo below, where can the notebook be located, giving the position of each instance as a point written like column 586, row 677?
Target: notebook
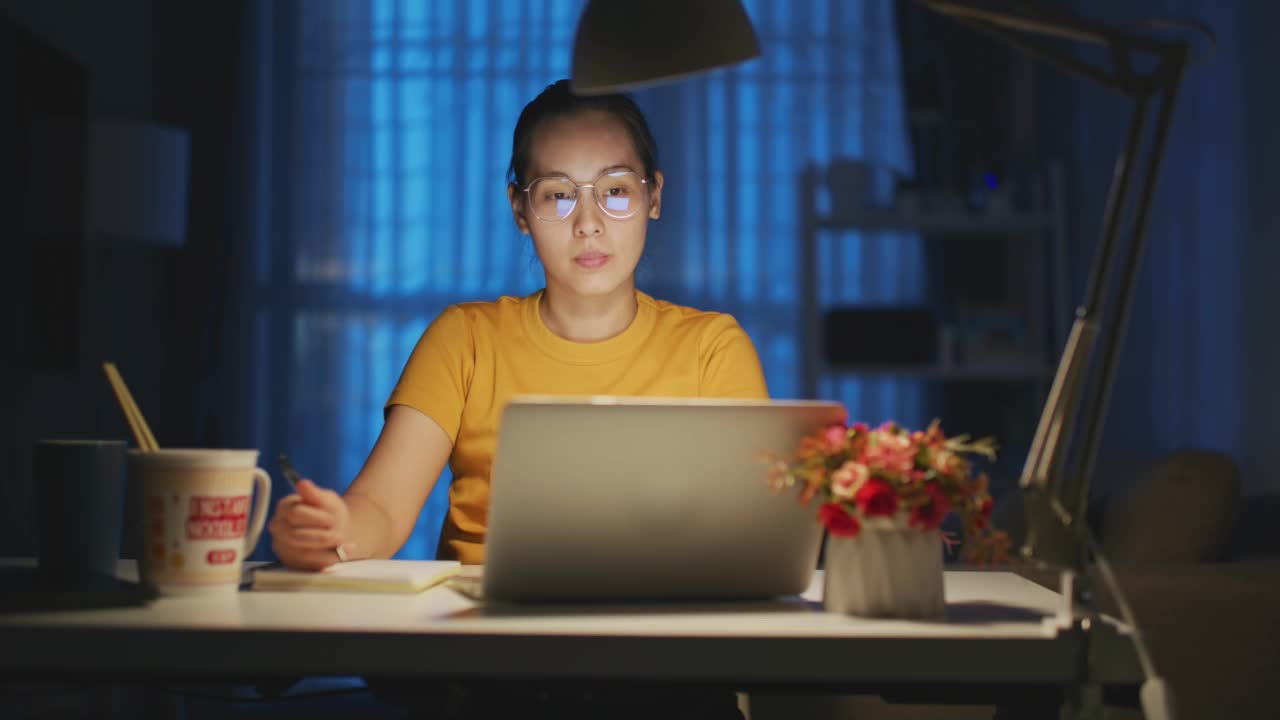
column 616, row 498
column 385, row 576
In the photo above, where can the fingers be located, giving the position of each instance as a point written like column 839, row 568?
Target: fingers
column 299, row 515
column 311, row 559
column 305, row 548
column 292, row 512
column 305, row 559
column 312, row 538
column 298, row 525
column 317, row 496
column 307, row 527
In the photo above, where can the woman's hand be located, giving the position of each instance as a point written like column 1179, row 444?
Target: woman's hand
column 309, row 526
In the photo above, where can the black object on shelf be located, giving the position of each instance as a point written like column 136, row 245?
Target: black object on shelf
column 880, row 336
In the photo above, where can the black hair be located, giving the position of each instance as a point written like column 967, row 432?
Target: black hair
column 557, row 100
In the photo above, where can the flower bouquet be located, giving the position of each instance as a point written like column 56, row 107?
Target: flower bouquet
column 890, row 487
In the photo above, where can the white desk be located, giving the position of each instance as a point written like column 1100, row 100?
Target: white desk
column 1001, row 629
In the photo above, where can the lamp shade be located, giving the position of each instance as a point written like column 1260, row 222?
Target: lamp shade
column 623, row 46
column 137, row 183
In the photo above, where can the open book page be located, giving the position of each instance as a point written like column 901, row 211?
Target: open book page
column 407, row 576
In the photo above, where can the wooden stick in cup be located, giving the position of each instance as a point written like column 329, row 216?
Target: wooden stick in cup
column 138, row 424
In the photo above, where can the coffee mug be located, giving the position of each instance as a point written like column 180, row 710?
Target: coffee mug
column 79, row 506
column 198, row 518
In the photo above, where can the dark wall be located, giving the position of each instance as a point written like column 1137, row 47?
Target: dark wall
column 56, row 394
column 158, row 313
column 1261, row 179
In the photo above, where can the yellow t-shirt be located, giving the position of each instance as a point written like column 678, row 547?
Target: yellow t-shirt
column 475, row 356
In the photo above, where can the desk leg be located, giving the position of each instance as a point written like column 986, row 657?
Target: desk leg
column 1087, row 703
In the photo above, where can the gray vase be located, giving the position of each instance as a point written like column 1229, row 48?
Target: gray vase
column 889, row 571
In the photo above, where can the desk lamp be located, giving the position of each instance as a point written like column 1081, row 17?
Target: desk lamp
column 617, row 48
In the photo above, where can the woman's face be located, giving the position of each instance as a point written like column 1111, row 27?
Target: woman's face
column 588, row 253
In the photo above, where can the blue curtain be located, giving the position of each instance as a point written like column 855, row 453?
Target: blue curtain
column 391, row 130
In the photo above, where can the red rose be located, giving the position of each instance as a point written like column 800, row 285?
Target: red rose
column 931, row 514
column 838, row 521
column 876, row 497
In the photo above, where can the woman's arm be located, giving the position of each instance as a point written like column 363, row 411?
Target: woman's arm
column 386, row 497
column 311, row 527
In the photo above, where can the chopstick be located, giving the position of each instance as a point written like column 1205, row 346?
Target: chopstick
column 138, row 424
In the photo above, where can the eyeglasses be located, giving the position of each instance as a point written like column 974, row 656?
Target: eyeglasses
column 618, row 195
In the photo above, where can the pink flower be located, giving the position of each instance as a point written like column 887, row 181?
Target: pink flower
column 833, row 438
column 931, row 514
column 876, row 497
column 848, row 478
column 838, row 521
column 890, row 457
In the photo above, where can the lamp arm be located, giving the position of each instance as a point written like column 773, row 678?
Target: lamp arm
column 1045, row 460
column 1100, row 398
column 1100, row 272
column 1054, row 55
column 1028, row 26
column 1034, row 483
column 1035, row 472
column 1036, row 17
column 1050, row 468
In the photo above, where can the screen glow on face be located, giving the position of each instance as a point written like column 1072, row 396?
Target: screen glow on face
column 554, row 197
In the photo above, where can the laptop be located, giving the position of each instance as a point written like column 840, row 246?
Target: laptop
column 643, row 499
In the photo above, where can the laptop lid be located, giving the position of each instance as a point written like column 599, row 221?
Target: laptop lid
column 648, row 499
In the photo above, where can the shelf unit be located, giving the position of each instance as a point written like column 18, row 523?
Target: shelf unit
column 1047, row 312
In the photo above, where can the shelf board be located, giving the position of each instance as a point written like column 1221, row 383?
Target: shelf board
column 996, row 372
column 953, row 223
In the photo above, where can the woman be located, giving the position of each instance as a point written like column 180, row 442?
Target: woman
column 584, row 184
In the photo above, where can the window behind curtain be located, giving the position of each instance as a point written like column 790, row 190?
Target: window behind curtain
column 392, row 127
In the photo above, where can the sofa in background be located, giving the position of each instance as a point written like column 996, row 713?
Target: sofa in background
column 1200, row 566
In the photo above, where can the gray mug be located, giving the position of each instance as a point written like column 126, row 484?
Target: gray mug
column 79, row 493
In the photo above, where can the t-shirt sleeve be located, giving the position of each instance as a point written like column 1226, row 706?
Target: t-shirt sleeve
column 438, row 373
column 730, row 365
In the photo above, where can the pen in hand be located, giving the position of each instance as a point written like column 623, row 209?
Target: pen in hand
column 289, row 473
column 292, row 476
